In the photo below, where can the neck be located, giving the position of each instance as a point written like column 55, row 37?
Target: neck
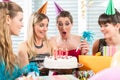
column 38, row 43
column 38, row 46
column 113, row 41
column 66, row 38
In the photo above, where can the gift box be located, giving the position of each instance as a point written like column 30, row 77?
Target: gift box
column 95, row 63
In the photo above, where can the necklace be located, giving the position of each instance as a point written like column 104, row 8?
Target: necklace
column 38, row 46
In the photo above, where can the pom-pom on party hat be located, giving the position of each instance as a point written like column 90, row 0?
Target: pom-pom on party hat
column 58, row 8
column 43, row 9
column 110, row 8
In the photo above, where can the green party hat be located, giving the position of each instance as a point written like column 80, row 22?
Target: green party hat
column 110, row 8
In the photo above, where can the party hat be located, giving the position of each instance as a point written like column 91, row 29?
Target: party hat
column 58, row 8
column 43, row 9
column 110, row 8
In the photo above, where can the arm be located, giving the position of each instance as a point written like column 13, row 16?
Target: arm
column 22, row 54
column 84, row 47
column 95, row 47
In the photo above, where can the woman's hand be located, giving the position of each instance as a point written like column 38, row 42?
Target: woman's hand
column 84, row 46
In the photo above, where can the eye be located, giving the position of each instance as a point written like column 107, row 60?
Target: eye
column 21, row 20
column 67, row 23
column 106, row 25
column 60, row 24
column 46, row 25
column 41, row 25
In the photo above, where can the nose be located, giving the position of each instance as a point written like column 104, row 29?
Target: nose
column 64, row 27
column 45, row 28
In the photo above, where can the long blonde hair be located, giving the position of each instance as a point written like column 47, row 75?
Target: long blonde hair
column 6, row 51
column 35, row 18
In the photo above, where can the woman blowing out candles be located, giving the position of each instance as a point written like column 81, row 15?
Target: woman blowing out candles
column 66, row 40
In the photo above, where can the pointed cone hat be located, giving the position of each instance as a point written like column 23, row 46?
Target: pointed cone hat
column 110, row 8
column 43, row 9
column 58, row 8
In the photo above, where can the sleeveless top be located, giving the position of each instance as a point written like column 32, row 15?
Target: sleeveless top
column 73, row 53
column 101, row 44
column 39, row 58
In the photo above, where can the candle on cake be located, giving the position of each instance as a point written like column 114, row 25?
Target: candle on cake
column 66, row 53
column 62, row 52
column 55, row 54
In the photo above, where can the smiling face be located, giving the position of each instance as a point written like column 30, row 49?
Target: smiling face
column 64, row 26
column 108, row 30
column 16, row 24
column 40, row 28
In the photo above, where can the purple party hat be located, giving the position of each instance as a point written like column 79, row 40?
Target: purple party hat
column 58, row 8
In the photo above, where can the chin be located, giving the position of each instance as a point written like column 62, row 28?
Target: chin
column 16, row 34
column 106, row 36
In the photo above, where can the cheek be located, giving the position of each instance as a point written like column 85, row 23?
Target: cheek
column 68, row 29
column 59, row 28
column 36, row 30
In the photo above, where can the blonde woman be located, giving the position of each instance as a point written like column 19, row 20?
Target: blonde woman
column 11, row 16
column 37, row 46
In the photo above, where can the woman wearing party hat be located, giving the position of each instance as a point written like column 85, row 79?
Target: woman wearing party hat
column 110, row 27
column 66, row 40
column 36, row 47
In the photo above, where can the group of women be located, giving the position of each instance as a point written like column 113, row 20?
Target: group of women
column 37, row 45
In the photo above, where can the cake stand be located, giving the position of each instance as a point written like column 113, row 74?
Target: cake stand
column 61, row 71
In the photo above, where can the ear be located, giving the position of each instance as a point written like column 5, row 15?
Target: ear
column 118, row 25
column 8, row 19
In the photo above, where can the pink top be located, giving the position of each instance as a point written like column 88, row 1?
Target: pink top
column 73, row 53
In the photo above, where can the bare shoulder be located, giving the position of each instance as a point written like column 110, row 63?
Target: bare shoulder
column 22, row 47
column 77, row 37
column 96, row 43
column 52, row 41
column 53, row 38
column 95, row 47
column 22, row 54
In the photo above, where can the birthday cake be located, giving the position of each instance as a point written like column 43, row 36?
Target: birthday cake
column 63, row 62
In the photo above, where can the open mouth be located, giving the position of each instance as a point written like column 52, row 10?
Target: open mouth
column 64, row 33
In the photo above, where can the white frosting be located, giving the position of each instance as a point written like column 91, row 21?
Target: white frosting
column 60, row 63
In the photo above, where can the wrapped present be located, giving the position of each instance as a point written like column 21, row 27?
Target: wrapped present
column 95, row 63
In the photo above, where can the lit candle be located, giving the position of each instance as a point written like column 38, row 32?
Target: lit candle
column 55, row 53
column 66, row 53
column 61, row 52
